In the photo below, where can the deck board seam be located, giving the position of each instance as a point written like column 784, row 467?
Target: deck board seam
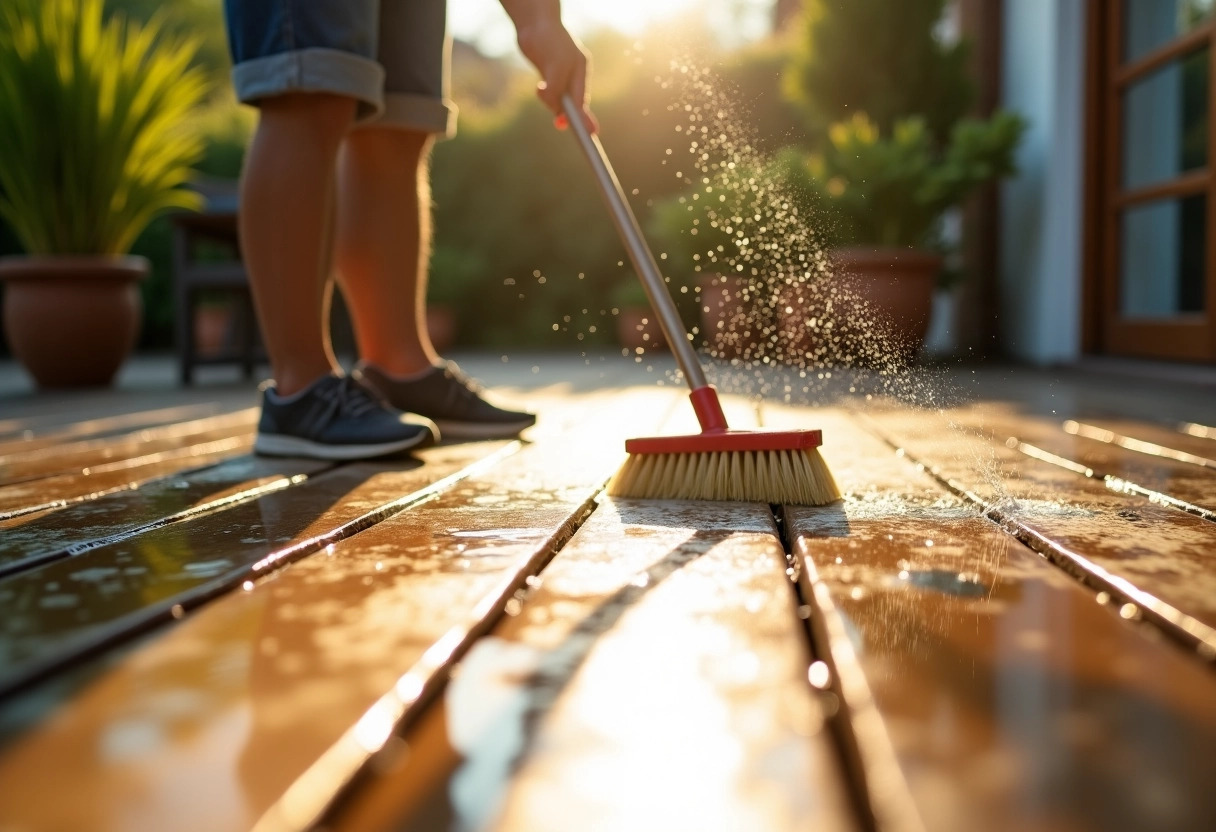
column 320, row 789
column 858, row 732
column 1196, row 637
column 1113, row 482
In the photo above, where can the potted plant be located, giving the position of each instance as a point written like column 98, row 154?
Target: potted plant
column 92, row 116
column 883, row 199
column 891, row 151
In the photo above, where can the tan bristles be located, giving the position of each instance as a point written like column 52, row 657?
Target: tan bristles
column 787, row 477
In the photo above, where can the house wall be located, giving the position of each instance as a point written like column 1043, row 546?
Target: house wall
column 1043, row 74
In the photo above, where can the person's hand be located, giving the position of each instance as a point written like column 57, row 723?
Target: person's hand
column 562, row 62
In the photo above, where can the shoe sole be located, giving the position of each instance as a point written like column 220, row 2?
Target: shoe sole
column 482, row 430
column 278, row 445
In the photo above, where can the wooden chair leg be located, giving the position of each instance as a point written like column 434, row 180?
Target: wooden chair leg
column 184, row 311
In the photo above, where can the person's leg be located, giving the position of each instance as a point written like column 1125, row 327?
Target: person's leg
column 383, row 251
column 285, row 219
column 383, row 245
column 310, row 68
column 383, row 232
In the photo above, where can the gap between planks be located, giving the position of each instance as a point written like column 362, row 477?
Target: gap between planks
column 1181, row 611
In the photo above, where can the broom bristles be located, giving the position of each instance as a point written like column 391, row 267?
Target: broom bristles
column 794, row 477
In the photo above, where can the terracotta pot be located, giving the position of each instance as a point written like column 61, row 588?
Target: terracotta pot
column 212, row 325
column 72, row 320
column 874, row 310
column 637, row 327
column 729, row 325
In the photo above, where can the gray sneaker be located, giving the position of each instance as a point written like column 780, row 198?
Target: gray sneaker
column 449, row 398
column 334, row 418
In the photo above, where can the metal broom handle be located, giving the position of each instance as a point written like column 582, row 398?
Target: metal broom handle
column 639, row 253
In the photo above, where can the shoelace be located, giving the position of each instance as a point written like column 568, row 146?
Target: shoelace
column 349, row 398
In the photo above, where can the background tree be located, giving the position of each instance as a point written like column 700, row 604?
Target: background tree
column 886, row 59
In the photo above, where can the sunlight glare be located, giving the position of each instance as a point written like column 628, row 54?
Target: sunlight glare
column 484, row 22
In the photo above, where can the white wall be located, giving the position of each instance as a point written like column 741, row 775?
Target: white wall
column 1043, row 73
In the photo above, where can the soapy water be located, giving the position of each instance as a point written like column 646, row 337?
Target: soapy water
column 779, row 323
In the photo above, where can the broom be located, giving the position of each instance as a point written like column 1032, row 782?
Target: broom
column 718, row 463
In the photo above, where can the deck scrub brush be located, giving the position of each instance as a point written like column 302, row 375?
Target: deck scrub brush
column 718, row 463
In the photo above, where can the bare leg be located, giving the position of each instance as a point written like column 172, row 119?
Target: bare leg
column 383, row 245
column 285, row 221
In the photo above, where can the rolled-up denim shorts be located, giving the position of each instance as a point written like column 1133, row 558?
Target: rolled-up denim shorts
column 389, row 55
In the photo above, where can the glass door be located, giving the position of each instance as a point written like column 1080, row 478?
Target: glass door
column 1157, row 246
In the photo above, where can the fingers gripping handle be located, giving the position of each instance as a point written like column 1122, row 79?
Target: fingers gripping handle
column 639, row 252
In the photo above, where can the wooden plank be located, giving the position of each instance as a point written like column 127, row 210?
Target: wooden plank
column 655, row 677
column 64, row 489
column 238, row 700
column 1151, row 557
column 31, row 437
column 1196, row 429
column 79, row 456
column 1157, row 476
column 64, row 609
column 1012, row 698
column 33, row 539
column 1150, row 440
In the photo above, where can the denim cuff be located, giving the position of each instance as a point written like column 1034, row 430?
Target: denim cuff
column 411, row 111
column 313, row 70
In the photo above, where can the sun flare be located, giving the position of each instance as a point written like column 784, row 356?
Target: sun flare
column 484, row 21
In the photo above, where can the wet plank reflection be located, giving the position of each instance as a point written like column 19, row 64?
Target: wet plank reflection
column 75, row 457
column 65, row 608
column 31, row 539
column 1013, row 699
column 1160, row 552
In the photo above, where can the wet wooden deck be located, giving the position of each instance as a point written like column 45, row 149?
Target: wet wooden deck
column 1009, row 623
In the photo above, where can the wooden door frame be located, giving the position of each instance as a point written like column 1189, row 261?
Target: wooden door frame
column 1172, row 338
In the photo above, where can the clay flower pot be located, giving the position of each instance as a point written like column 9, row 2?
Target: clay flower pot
column 874, row 310
column 212, row 328
column 72, row 320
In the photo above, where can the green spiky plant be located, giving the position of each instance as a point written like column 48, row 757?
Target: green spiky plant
column 93, row 125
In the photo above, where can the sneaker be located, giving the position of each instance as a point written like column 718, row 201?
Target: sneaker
column 334, row 418
column 450, row 399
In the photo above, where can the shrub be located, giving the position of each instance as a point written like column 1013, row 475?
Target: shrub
column 892, row 189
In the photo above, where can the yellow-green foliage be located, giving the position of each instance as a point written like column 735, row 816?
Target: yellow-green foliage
column 94, row 139
column 892, row 189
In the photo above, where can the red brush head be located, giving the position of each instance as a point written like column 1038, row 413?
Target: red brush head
column 716, row 437
column 711, row 442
